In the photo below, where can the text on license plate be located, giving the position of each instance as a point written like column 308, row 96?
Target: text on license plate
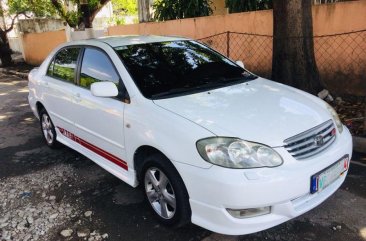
column 326, row 177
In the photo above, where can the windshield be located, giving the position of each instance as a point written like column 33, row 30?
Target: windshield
column 174, row 68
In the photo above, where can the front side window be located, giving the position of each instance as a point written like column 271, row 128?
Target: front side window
column 96, row 67
column 64, row 65
column 166, row 69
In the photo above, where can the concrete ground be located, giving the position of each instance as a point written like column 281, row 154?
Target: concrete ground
column 44, row 192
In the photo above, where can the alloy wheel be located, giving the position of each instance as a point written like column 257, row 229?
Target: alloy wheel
column 160, row 193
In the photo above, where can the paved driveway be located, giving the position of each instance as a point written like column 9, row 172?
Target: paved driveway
column 45, row 192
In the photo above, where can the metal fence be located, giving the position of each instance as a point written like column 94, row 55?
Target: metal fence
column 341, row 58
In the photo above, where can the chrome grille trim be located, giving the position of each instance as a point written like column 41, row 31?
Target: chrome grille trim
column 303, row 145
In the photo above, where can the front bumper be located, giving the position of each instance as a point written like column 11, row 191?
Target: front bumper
column 286, row 189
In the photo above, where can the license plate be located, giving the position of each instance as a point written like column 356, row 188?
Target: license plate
column 324, row 178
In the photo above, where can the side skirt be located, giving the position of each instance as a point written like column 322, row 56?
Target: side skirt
column 107, row 161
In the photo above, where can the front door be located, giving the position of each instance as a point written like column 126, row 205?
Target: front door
column 99, row 120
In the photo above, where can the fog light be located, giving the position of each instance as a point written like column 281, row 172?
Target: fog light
column 249, row 212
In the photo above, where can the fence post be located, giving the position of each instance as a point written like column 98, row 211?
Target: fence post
column 228, row 44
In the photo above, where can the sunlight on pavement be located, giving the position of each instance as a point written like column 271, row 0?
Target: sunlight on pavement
column 23, row 91
column 29, row 119
column 23, row 105
column 9, row 83
column 363, row 233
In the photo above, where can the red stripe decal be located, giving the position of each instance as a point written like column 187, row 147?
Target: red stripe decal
column 95, row 149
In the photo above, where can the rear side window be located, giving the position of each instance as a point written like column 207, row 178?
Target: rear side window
column 96, row 67
column 64, row 64
column 50, row 68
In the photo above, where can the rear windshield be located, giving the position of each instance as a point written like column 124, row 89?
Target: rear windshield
column 174, row 68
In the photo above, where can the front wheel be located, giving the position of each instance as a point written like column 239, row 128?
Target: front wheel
column 165, row 191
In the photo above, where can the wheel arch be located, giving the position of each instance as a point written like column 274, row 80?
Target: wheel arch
column 140, row 154
column 144, row 151
column 39, row 107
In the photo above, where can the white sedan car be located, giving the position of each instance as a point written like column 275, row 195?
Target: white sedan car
column 208, row 141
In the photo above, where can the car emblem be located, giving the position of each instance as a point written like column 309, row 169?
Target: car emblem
column 319, row 140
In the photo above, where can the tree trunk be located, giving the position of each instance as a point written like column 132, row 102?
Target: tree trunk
column 364, row 123
column 145, row 10
column 293, row 46
column 5, row 50
column 85, row 19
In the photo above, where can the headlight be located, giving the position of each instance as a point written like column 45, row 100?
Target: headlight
column 335, row 118
column 236, row 153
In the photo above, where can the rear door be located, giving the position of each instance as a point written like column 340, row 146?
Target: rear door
column 59, row 87
column 99, row 120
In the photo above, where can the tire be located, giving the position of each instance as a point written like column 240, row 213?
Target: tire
column 48, row 129
column 165, row 191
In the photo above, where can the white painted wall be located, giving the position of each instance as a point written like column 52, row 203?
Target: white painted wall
column 16, row 44
column 80, row 35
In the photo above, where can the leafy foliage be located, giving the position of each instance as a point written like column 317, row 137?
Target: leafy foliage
column 75, row 17
column 39, row 8
column 236, row 6
column 178, row 9
column 124, row 7
column 70, row 16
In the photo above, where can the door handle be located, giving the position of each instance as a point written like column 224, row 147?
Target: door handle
column 77, row 97
column 42, row 82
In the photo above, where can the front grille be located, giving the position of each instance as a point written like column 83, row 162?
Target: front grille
column 312, row 141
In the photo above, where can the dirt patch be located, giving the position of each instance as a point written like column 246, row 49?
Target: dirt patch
column 352, row 111
column 32, row 206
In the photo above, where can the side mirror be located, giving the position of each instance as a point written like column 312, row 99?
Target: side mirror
column 240, row 63
column 104, row 89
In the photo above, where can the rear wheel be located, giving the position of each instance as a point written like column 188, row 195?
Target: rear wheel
column 165, row 191
column 48, row 129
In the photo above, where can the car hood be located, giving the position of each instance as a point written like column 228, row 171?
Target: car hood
column 260, row 111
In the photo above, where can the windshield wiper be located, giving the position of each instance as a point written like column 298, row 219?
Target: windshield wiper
column 186, row 90
column 171, row 92
column 203, row 87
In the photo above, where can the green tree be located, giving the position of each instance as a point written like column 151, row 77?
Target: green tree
column 37, row 8
column 124, row 7
column 178, row 9
column 84, row 13
column 236, row 6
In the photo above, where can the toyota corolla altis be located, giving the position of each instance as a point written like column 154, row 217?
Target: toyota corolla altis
column 208, row 141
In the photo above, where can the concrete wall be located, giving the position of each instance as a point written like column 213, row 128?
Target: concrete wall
column 251, row 22
column 327, row 19
column 80, row 35
column 40, row 25
column 38, row 45
column 16, row 44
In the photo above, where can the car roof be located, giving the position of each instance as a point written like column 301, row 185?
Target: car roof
column 123, row 40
